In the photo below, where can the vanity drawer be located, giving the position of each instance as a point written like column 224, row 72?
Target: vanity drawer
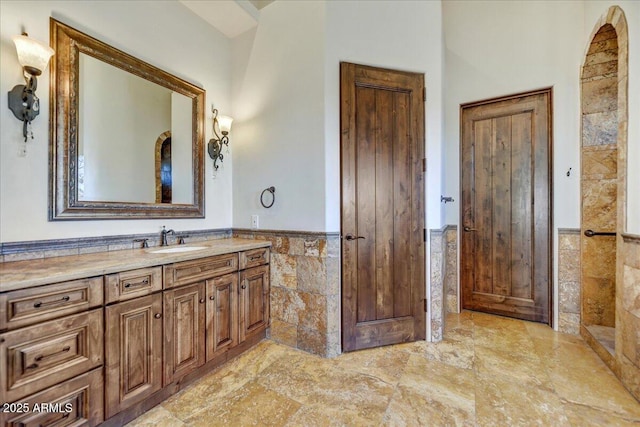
column 132, row 284
column 28, row 306
column 182, row 273
column 77, row 402
column 37, row 357
column 254, row 258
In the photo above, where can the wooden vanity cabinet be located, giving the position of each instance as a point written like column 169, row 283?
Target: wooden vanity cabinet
column 51, row 354
column 254, row 301
column 110, row 347
column 222, row 314
column 76, row 402
column 35, row 305
column 206, row 319
column 184, row 329
column 133, row 352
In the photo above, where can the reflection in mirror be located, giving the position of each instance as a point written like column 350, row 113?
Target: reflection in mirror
column 119, row 162
column 127, row 138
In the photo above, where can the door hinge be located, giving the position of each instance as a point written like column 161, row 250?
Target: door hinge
column 424, row 234
column 424, row 94
column 424, row 164
column 425, row 305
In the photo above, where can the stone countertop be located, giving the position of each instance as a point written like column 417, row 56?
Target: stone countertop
column 25, row 274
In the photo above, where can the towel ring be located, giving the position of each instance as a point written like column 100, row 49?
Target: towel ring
column 271, row 190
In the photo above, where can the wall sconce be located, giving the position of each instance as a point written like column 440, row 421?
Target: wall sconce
column 214, row 147
column 34, row 57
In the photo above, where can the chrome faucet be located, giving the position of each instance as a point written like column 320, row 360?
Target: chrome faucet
column 163, row 234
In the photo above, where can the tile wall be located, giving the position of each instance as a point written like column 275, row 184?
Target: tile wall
column 305, row 289
column 569, row 280
column 628, row 317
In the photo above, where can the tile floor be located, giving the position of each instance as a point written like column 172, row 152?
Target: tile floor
column 489, row 371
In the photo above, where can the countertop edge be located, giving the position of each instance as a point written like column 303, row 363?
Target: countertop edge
column 17, row 275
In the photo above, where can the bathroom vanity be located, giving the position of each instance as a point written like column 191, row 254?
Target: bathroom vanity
column 103, row 337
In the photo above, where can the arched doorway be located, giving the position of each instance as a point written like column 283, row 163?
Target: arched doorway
column 163, row 168
column 603, row 179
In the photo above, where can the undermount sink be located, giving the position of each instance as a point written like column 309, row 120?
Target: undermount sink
column 177, row 249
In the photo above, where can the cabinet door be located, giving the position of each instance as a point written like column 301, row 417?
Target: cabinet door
column 222, row 314
column 133, row 347
column 184, row 325
column 254, row 300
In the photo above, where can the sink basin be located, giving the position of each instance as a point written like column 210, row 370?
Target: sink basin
column 177, row 249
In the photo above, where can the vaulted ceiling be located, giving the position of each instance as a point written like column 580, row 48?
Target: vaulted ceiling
column 230, row 17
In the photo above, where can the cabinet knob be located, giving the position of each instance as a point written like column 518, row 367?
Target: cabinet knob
column 212, row 298
column 157, row 315
column 201, row 300
column 243, row 287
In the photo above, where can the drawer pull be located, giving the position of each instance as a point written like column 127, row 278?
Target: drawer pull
column 42, row 304
column 43, row 356
column 157, row 315
column 140, row 283
column 255, row 257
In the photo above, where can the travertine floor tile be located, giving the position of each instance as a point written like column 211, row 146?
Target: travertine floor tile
column 249, row 405
column 226, row 379
column 157, row 417
column 320, row 382
column 581, row 415
column 504, row 402
column 384, row 363
column 446, row 398
column 523, row 368
column 488, row 371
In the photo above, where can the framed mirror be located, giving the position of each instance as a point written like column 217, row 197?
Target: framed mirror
column 126, row 138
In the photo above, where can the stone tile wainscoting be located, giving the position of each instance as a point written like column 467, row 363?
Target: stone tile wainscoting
column 451, row 269
column 444, row 278
column 569, row 280
column 628, row 316
column 305, row 289
column 436, row 312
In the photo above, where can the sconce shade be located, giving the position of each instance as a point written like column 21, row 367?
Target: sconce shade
column 32, row 54
column 225, row 123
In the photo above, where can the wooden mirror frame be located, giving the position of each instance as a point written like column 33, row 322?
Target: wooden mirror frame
column 63, row 126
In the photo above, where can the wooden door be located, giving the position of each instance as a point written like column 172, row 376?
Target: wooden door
column 133, row 352
column 222, row 314
column 382, row 164
column 506, row 206
column 184, row 326
column 254, row 300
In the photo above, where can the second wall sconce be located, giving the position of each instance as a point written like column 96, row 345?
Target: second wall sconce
column 214, row 147
column 34, row 57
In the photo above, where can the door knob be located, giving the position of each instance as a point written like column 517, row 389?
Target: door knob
column 352, row 237
column 469, row 229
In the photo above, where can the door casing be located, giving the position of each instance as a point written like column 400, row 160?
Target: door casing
column 542, row 210
column 361, row 330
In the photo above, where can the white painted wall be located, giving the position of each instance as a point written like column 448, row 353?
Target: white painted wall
column 403, row 35
column 287, row 102
column 166, row 34
column 495, row 48
column 278, row 107
column 593, row 11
